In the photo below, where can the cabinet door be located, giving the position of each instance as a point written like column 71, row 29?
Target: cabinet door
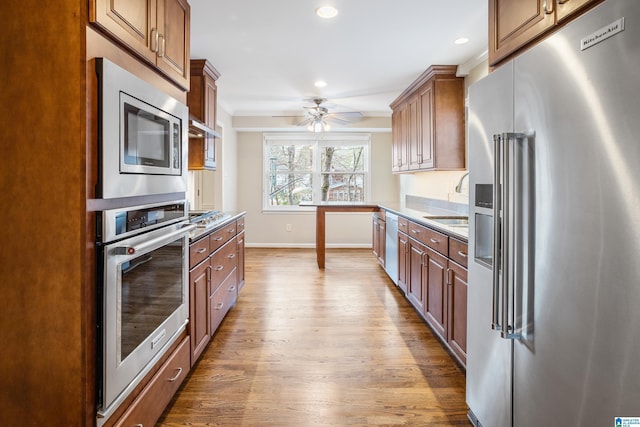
column 174, row 21
column 514, row 23
column 414, row 143
column 199, row 278
column 417, row 272
column 399, row 124
column 132, row 21
column 436, row 295
column 403, row 261
column 567, row 8
column 457, row 311
column 382, row 239
column 375, row 237
column 426, row 137
column 240, row 268
column 211, row 100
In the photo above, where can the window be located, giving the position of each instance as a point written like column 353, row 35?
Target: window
column 313, row 168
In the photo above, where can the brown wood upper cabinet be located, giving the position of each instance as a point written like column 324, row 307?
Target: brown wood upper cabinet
column 428, row 123
column 202, row 100
column 156, row 30
column 514, row 24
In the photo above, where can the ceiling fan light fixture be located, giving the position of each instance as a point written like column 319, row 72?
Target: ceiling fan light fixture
column 318, row 126
column 320, row 83
column 327, row 12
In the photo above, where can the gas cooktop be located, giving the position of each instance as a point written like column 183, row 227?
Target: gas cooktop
column 207, row 219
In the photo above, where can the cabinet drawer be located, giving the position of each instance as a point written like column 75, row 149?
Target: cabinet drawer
column 198, row 251
column 221, row 236
column 429, row 237
column 149, row 405
column 458, row 251
column 403, row 225
column 223, row 261
column 222, row 300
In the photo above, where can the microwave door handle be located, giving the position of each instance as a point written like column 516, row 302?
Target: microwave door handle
column 141, row 248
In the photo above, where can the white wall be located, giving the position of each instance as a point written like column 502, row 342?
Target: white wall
column 342, row 230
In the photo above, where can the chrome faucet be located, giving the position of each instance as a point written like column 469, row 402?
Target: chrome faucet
column 458, row 188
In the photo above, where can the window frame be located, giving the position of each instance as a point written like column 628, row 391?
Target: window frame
column 317, row 141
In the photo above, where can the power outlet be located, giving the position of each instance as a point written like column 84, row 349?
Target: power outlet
column 288, row 227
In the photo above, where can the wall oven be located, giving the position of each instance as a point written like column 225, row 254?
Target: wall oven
column 143, row 296
column 143, row 134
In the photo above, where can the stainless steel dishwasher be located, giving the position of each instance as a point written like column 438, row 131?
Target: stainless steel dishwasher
column 391, row 243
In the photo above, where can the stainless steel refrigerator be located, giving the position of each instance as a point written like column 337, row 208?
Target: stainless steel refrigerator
column 554, row 285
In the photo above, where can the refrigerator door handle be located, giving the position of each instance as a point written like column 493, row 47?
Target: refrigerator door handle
column 504, row 306
column 497, row 262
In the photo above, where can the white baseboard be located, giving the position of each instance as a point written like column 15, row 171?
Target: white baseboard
column 309, row 245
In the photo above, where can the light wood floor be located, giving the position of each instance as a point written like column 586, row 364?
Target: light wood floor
column 305, row 348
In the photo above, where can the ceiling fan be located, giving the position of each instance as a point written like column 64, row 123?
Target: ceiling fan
column 318, row 117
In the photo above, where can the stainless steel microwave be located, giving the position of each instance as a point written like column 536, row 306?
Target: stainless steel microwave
column 143, row 134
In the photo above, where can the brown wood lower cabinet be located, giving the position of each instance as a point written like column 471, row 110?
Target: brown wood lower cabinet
column 217, row 270
column 240, row 269
column 149, row 405
column 200, row 279
column 222, row 299
column 417, row 275
column 432, row 273
column 435, row 309
column 379, row 237
column 457, row 310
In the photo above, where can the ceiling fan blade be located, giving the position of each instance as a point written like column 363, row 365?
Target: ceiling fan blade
column 306, row 122
column 336, row 120
column 348, row 114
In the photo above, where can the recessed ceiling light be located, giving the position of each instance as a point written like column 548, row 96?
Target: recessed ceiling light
column 326, row 11
column 320, row 83
column 461, row 40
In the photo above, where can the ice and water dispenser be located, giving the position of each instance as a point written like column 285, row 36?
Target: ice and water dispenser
column 483, row 239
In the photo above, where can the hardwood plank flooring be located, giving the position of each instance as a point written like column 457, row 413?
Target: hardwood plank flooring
column 307, row 347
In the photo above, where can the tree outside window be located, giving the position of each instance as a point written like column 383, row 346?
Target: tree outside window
column 302, row 168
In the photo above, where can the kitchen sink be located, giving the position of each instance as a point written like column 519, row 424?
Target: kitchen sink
column 451, row 221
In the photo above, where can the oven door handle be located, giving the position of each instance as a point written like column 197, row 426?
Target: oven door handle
column 142, row 247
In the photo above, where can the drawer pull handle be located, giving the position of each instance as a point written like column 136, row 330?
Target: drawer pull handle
column 217, row 239
column 230, row 256
column 218, row 268
column 201, row 250
column 233, row 230
column 432, row 240
column 414, row 231
column 232, row 288
column 177, row 375
column 219, row 306
column 462, row 254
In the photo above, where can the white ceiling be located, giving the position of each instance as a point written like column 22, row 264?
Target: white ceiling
column 270, row 52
